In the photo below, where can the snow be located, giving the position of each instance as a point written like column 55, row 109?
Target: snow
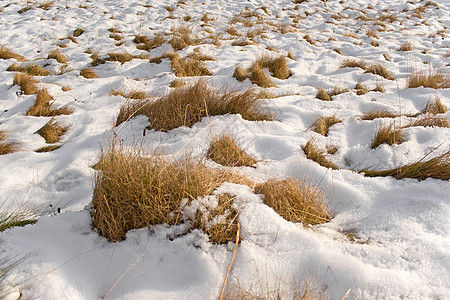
column 402, row 248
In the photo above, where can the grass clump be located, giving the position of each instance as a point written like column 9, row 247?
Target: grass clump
column 15, row 219
column 59, row 56
column 146, row 43
column 133, row 94
column 88, row 73
column 361, row 89
column 405, row 47
column 378, row 113
column 277, row 66
column 6, row 53
column 26, row 83
column 295, row 201
column 188, row 67
column 48, row 148
column 42, row 106
column 431, row 121
column 387, row 135
column 52, row 131
column 435, row 79
column 380, row 70
column 352, row 63
column 240, row 73
column 259, row 77
column 134, row 190
column 77, row 32
column 177, row 83
column 437, row 167
column 225, row 151
column 121, row 57
column 31, row 69
column 323, row 95
column 7, row 147
column 181, row 38
column 187, row 105
column 317, row 155
column 435, row 107
column 322, row 124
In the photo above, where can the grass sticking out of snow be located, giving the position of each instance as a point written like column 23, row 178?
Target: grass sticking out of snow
column 323, row 95
column 295, row 201
column 225, row 151
column 431, row 121
column 435, row 107
column 317, row 155
column 42, row 106
column 88, row 73
column 352, row 63
column 378, row 113
column 188, row 67
column 52, row 131
column 26, row 82
column 31, row 69
column 133, row 94
column 6, row 53
column 380, row 70
column 435, row 79
column 322, row 124
column 59, row 56
column 387, row 135
column 5, row 146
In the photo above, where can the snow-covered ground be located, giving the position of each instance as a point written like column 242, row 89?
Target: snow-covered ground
column 402, row 247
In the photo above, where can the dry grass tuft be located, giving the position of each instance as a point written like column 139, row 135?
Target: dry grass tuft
column 77, row 32
column 372, row 33
column 259, row 77
column 182, row 37
column 351, row 63
column 295, row 201
column 26, row 82
column 88, row 73
column 52, row 131
column 59, row 56
column 177, row 83
column 378, row 113
column 338, row 90
column 42, row 106
column 387, row 135
column 7, row 147
column 146, row 43
column 225, row 151
column 431, row 121
column 135, row 190
column 277, row 66
column 6, row 53
column 435, row 107
column 374, row 43
column 240, row 73
column 315, row 154
column 187, row 105
column 323, row 95
column 188, row 68
column 437, row 167
column 405, row 47
column 435, row 79
column 14, row 219
column 361, row 89
column 121, row 57
column 31, row 69
column 97, row 60
column 322, row 124
column 338, row 51
column 380, row 70
column 133, row 94
column 48, row 148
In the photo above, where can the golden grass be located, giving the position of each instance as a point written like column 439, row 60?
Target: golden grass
column 387, row 135
column 133, row 94
column 352, row 63
column 437, row 167
column 25, row 9
column 323, row 95
column 315, row 154
column 26, row 82
column 121, row 57
column 361, row 89
column 187, row 105
column 431, row 121
column 295, row 201
column 338, row 90
column 15, row 219
column 378, row 113
column 374, row 43
column 135, row 190
column 231, row 30
column 379, row 69
column 31, row 69
column 182, row 37
column 322, row 124
column 434, row 107
column 188, row 68
column 6, row 53
column 177, row 83
column 96, row 60
column 116, row 36
column 225, row 151
column 378, row 88
column 259, row 77
column 405, row 47
column 52, row 131
column 146, row 43
column 77, row 32
column 435, row 79
column 42, row 106
column 88, row 73
column 240, row 73
column 277, row 66
column 48, row 148
column 372, row 33
column 7, row 147
column 338, row 51
column 59, row 56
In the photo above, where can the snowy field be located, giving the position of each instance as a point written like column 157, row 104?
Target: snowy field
column 388, row 238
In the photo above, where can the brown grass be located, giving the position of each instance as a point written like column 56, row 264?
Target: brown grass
column 323, row 95
column 6, row 53
column 315, row 154
column 361, row 89
column 26, row 82
column 146, row 43
column 435, row 79
column 259, row 77
column 378, row 88
column 435, row 107
column 277, row 66
column 322, row 124
column 52, row 131
column 48, row 148
column 96, row 60
column 338, row 51
column 372, row 33
column 182, row 37
column 177, row 83
column 352, row 63
column 437, row 167
column 374, row 43
column 133, row 94
column 42, row 106
column 7, row 147
column 338, row 90
column 378, row 113
column 135, row 190
column 295, row 201
column 379, row 69
column 405, row 47
column 88, row 73
column 77, row 32
column 187, row 105
column 188, row 68
column 121, row 57
column 59, row 56
column 31, row 69
column 240, row 73
column 225, row 151
column 387, row 135
column 431, row 121
column 116, row 36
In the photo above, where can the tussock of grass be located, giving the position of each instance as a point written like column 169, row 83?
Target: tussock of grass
column 6, row 53
column 378, row 88
column 361, row 89
column 295, row 201
column 380, row 70
column 88, row 73
column 437, row 167
column 187, row 105
column 378, row 113
column 323, row 95
column 121, row 57
column 77, row 32
column 52, row 131
column 96, row 60
column 42, row 106
column 15, row 219
column 134, row 190
column 188, row 68
column 277, row 66
column 338, row 51
column 435, row 79
column 182, row 37
column 372, row 33
column 352, row 63
column 31, row 69
column 388, row 17
column 431, row 121
column 7, row 147
column 146, row 43
column 232, row 31
column 48, row 148
column 133, row 94
column 240, row 73
column 387, row 135
column 177, row 83
column 405, row 47
column 59, row 56
column 116, row 36
column 315, row 154
column 322, row 124
column 242, row 42
column 435, row 107
column 26, row 82
column 338, row 90
column 225, row 151
column 259, row 77
column 374, row 43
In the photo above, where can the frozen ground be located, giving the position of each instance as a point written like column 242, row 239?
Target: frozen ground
column 402, row 247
